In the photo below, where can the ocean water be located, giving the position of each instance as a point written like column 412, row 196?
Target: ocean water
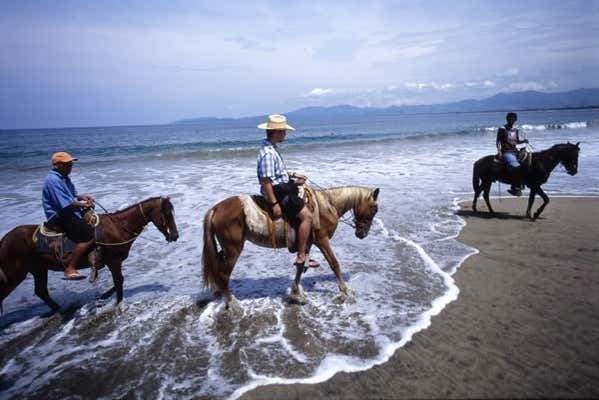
column 170, row 337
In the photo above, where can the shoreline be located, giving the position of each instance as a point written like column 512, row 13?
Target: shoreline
column 462, row 353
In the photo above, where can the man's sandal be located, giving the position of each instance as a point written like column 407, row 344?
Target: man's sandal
column 75, row 276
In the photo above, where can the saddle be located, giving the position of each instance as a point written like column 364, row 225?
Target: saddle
column 264, row 231
column 52, row 239
column 524, row 158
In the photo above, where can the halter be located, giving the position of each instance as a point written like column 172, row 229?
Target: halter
column 141, row 210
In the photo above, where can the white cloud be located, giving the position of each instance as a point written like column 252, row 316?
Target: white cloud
column 319, row 92
column 480, row 84
column 429, row 85
column 526, row 86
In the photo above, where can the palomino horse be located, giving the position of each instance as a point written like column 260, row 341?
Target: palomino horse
column 18, row 254
column 535, row 172
column 226, row 222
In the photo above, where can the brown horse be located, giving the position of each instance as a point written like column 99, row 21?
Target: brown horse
column 18, row 254
column 227, row 223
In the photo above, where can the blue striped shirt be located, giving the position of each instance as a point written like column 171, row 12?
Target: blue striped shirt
column 271, row 164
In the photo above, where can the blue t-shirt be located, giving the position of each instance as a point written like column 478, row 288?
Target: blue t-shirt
column 58, row 193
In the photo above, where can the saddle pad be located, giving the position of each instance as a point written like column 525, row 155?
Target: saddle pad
column 49, row 241
column 261, row 229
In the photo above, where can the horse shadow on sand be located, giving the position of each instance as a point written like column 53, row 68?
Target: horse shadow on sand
column 488, row 215
column 72, row 302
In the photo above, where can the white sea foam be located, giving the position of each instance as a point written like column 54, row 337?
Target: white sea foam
column 544, row 127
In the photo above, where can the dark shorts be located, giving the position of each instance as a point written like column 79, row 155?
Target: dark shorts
column 75, row 228
column 288, row 198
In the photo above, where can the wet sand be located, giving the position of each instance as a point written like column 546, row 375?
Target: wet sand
column 526, row 323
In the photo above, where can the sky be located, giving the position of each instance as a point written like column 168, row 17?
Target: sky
column 85, row 63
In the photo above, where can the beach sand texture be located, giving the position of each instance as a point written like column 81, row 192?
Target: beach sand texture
column 526, row 323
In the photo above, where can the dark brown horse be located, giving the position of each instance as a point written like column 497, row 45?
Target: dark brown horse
column 226, row 223
column 18, row 254
column 535, row 172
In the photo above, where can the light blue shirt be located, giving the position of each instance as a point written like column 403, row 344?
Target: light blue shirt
column 58, row 193
column 271, row 164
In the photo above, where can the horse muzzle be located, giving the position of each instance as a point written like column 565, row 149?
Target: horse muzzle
column 572, row 171
column 171, row 236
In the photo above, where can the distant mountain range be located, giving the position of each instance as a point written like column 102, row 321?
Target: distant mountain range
column 516, row 101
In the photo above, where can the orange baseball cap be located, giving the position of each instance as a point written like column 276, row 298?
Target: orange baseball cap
column 62, row 157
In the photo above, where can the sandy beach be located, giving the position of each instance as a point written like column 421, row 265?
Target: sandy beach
column 526, row 323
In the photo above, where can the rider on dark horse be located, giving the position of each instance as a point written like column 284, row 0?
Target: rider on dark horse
column 276, row 187
column 507, row 139
column 63, row 206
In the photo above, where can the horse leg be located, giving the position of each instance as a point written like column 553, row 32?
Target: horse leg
column 325, row 247
column 227, row 259
column 40, row 279
column 476, row 194
column 13, row 271
column 297, row 293
column 117, row 278
column 531, row 200
column 486, row 190
column 545, row 202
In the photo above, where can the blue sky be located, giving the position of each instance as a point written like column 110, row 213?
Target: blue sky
column 73, row 63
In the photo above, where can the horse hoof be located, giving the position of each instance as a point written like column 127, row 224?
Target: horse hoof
column 345, row 297
column 296, row 295
column 233, row 307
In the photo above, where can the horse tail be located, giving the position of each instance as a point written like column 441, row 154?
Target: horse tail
column 475, row 177
column 210, row 253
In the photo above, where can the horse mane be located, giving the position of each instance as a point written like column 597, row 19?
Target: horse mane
column 556, row 147
column 351, row 194
column 134, row 205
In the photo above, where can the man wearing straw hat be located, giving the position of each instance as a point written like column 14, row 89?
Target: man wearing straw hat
column 278, row 189
column 62, row 206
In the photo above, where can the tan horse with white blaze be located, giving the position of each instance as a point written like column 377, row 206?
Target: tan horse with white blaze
column 226, row 223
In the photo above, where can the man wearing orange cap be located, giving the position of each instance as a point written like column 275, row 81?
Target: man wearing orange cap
column 62, row 206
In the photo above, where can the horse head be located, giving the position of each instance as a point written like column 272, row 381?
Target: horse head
column 164, row 219
column 568, row 156
column 364, row 211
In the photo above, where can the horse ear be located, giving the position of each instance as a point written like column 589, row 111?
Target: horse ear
column 577, row 144
column 375, row 194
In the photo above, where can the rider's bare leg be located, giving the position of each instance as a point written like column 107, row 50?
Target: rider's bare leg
column 79, row 250
column 303, row 230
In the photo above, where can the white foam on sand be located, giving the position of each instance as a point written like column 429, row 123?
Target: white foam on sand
column 334, row 363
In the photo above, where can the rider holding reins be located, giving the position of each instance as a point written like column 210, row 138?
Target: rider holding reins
column 62, row 206
column 507, row 139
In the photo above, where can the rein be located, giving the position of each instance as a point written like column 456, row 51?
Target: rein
column 135, row 235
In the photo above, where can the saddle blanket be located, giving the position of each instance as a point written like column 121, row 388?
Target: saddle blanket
column 57, row 243
column 264, row 231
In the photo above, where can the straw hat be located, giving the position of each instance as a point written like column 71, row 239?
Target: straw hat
column 276, row 121
column 62, row 157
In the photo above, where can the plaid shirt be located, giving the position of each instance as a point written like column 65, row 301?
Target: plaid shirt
column 271, row 164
